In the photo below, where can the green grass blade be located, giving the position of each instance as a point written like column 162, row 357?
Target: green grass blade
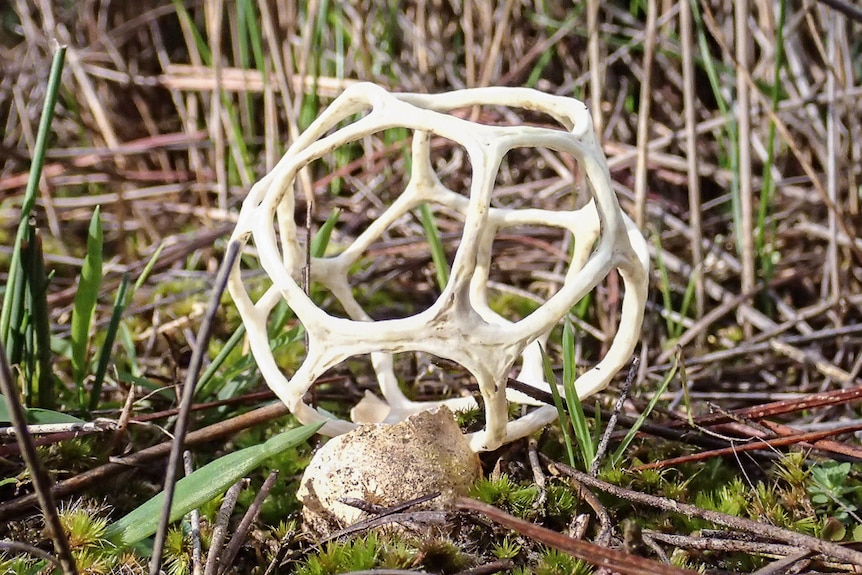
column 15, row 302
column 664, row 286
column 687, row 299
column 85, row 302
column 207, row 482
column 620, row 451
column 108, row 344
column 206, row 381
column 35, row 416
column 764, row 252
column 208, row 384
column 576, row 410
column 279, row 317
column 41, row 380
column 254, row 33
column 54, row 80
column 128, row 343
column 238, row 148
column 558, row 402
column 244, row 15
column 438, row 255
column 115, row 327
column 147, row 269
column 717, row 86
column 321, row 238
column 538, row 69
column 597, row 426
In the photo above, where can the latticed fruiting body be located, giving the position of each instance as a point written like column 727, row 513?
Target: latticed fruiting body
column 460, row 325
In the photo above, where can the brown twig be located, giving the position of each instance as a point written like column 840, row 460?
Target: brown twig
column 594, row 554
column 195, row 364
column 18, row 547
column 605, row 532
column 194, row 521
column 725, row 544
column 13, row 448
column 756, row 412
column 392, row 514
column 753, row 445
column 538, row 475
column 39, row 476
column 746, row 525
column 220, row 528
column 789, row 565
column 615, row 415
column 241, row 531
column 145, row 456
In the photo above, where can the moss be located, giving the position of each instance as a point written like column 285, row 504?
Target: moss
column 502, row 492
column 441, row 556
column 339, row 557
column 553, row 562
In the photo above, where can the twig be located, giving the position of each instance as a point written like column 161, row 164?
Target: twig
column 665, row 431
column 194, row 369
column 39, row 476
column 656, row 548
column 739, row 523
column 724, row 544
column 538, row 475
column 840, row 447
column 694, row 197
column 382, row 511
column 615, row 414
column 241, row 531
column 789, row 565
column 743, row 76
column 603, row 537
column 833, row 273
column 221, row 526
column 122, row 421
column 238, row 400
column 428, row 517
column 18, row 547
column 195, row 520
column 745, row 231
column 848, row 9
column 825, row 367
column 591, row 553
column 121, row 464
column 643, row 116
column 492, row 51
column 594, row 56
column 213, row 17
column 393, row 514
column 745, row 350
column 753, row 445
column 12, row 448
column 278, row 557
column 48, row 428
column 814, row 400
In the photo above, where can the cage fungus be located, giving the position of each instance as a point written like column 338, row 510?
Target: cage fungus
column 460, row 325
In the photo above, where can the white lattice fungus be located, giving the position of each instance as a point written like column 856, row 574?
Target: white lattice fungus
column 460, row 325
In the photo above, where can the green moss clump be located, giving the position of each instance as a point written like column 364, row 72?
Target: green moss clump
column 502, row 492
column 340, row 557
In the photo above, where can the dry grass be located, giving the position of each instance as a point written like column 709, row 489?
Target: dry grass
column 757, row 265
column 139, row 133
